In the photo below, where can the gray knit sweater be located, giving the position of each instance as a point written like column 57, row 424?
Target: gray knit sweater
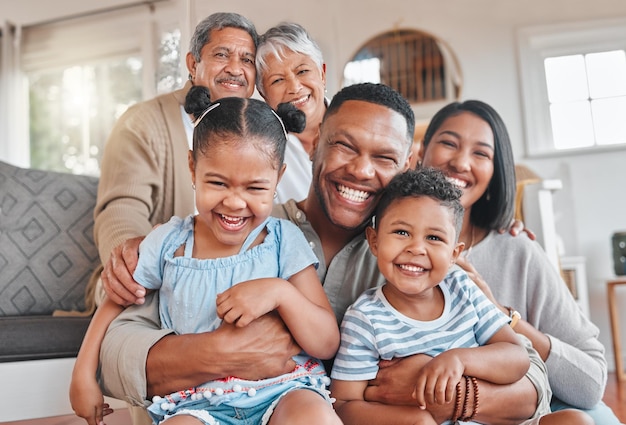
column 520, row 275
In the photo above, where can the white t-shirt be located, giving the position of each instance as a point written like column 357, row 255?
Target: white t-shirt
column 298, row 174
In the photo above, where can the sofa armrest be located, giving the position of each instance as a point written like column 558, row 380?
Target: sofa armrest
column 46, row 381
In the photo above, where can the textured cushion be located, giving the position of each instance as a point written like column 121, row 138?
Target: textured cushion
column 47, row 252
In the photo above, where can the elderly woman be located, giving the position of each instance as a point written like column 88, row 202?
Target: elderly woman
column 290, row 68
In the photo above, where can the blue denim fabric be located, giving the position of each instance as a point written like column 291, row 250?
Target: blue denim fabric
column 258, row 414
column 600, row 413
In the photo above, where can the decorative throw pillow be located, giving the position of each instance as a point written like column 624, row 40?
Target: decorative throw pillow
column 47, row 251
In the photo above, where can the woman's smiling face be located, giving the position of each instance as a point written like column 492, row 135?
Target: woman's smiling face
column 295, row 78
column 463, row 148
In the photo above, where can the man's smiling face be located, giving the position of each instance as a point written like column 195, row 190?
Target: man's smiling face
column 226, row 65
column 361, row 147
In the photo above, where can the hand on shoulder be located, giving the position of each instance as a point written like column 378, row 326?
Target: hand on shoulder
column 117, row 276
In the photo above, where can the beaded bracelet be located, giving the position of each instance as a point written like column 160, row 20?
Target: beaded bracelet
column 474, row 383
column 466, row 401
column 457, row 407
column 476, row 402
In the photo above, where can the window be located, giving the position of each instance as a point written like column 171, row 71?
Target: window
column 168, row 73
column 574, row 87
column 418, row 65
column 587, row 95
column 73, row 109
column 409, row 61
column 77, row 93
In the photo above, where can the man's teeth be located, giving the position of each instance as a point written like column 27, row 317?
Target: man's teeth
column 232, row 83
column 232, row 221
column 352, row 194
column 461, row 184
column 411, row 268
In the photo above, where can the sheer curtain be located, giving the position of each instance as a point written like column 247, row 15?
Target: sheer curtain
column 13, row 103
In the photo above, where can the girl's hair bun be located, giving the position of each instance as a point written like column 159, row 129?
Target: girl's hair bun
column 293, row 118
column 197, row 101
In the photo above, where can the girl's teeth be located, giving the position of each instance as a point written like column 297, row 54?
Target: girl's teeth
column 233, row 221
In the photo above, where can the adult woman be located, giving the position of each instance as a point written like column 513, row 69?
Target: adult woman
column 290, row 68
column 470, row 143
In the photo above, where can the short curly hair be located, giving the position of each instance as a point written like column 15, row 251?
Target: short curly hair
column 424, row 182
column 378, row 94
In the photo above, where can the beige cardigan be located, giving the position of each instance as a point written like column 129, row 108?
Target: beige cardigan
column 145, row 176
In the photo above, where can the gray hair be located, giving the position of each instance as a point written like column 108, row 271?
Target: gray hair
column 219, row 21
column 276, row 40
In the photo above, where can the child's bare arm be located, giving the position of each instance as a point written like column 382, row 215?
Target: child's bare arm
column 354, row 410
column 300, row 302
column 309, row 316
column 503, row 360
column 85, row 394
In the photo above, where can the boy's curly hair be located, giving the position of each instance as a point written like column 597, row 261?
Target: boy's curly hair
column 425, row 181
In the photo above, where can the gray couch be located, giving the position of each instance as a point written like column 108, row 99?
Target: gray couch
column 47, row 255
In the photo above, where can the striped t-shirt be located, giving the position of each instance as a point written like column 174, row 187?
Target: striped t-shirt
column 372, row 329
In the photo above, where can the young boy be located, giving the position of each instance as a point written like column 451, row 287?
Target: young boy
column 426, row 306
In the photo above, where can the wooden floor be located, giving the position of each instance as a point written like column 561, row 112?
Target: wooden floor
column 119, row 417
column 615, row 397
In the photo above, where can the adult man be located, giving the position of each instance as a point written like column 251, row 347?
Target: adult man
column 365, row 139
column 145, row 173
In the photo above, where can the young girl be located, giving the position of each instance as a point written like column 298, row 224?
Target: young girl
column 230, row 263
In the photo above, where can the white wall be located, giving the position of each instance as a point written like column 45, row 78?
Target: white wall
column 28, row 12
column 591, row 205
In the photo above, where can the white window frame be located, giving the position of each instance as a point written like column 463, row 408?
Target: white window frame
column 537, row 43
